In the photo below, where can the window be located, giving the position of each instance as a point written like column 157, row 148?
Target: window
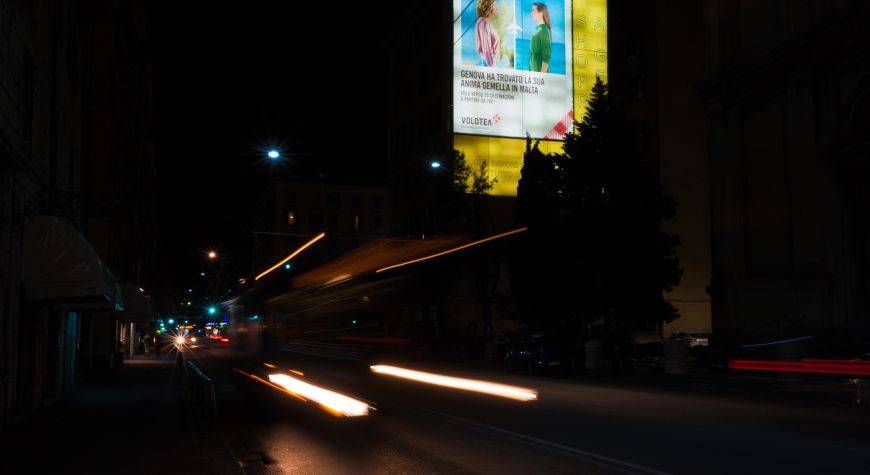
column 291, row 218
column 357, row 222
column 376, row 222
column 333, row 199
column 333, row 220
column 291, row 197
column 355, row 201
column 315, row 219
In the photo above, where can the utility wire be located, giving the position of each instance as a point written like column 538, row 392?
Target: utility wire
column 359, row 237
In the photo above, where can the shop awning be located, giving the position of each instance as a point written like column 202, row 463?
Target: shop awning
column 60, row 264
column 137, row 309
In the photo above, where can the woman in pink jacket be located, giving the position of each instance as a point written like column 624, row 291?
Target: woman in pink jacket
column 487, row 38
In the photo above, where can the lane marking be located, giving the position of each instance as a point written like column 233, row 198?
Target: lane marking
column 603, row 460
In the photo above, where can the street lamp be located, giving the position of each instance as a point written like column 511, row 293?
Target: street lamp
column 212, row 255
column 273, row 154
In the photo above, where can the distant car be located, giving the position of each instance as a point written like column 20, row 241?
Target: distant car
column 531, row 353
column 692, row 339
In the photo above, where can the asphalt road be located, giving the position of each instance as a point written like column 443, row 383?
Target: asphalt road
column 573, row 427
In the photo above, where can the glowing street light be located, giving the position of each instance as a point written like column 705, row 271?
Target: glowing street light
column 435, row 164
column 212, row 310
column 212, row 255
column 273, row 154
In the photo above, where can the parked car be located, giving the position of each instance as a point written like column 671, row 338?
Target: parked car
column 531, row 353
column 692, row 339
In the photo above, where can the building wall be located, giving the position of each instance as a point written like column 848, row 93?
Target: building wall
column 680, row 150
column 656, row 63
column 40, row 150
column 419, row 114
column 62, row 139
column 784, row 82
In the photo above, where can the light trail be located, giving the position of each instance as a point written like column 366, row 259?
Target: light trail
column 449, row 251
column 291, row 256
column 267, row 383
column 475, row 385
column 336, row 403
column 847, row 367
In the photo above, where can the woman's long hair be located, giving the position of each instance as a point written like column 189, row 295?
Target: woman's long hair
column 485, row 8
column 542, row 7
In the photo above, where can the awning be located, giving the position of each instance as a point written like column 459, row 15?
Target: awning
column 137, row 309
column 60, row 264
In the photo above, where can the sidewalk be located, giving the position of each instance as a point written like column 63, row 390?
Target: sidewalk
column 129, row 420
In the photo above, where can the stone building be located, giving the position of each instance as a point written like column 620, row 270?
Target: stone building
column 77, row 207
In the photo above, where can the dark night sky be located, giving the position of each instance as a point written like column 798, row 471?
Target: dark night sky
column 231, row 79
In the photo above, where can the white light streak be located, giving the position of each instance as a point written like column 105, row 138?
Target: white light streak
column 486, row 387
column 332, row 401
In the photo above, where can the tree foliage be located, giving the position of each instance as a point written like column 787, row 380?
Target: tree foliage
column 481, row 183
column 594, row 213
column 467, row 180
column 460, row 173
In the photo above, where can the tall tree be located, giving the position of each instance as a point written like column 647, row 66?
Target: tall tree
column 534, row 261
column 601, row 206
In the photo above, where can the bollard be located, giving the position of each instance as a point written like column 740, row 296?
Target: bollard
column 675, row 357
column 202, row 390
column 594, row 350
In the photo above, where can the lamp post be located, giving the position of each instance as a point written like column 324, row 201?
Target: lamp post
column 419, row 181
column 216, row 261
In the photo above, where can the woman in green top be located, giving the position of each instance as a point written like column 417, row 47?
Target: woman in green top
column 539, row 57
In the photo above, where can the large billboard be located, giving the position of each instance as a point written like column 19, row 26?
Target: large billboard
column 518, row 61
column 513, row 68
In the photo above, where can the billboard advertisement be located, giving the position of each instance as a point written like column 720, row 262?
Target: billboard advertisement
column 503, row 152
column 513, row 68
